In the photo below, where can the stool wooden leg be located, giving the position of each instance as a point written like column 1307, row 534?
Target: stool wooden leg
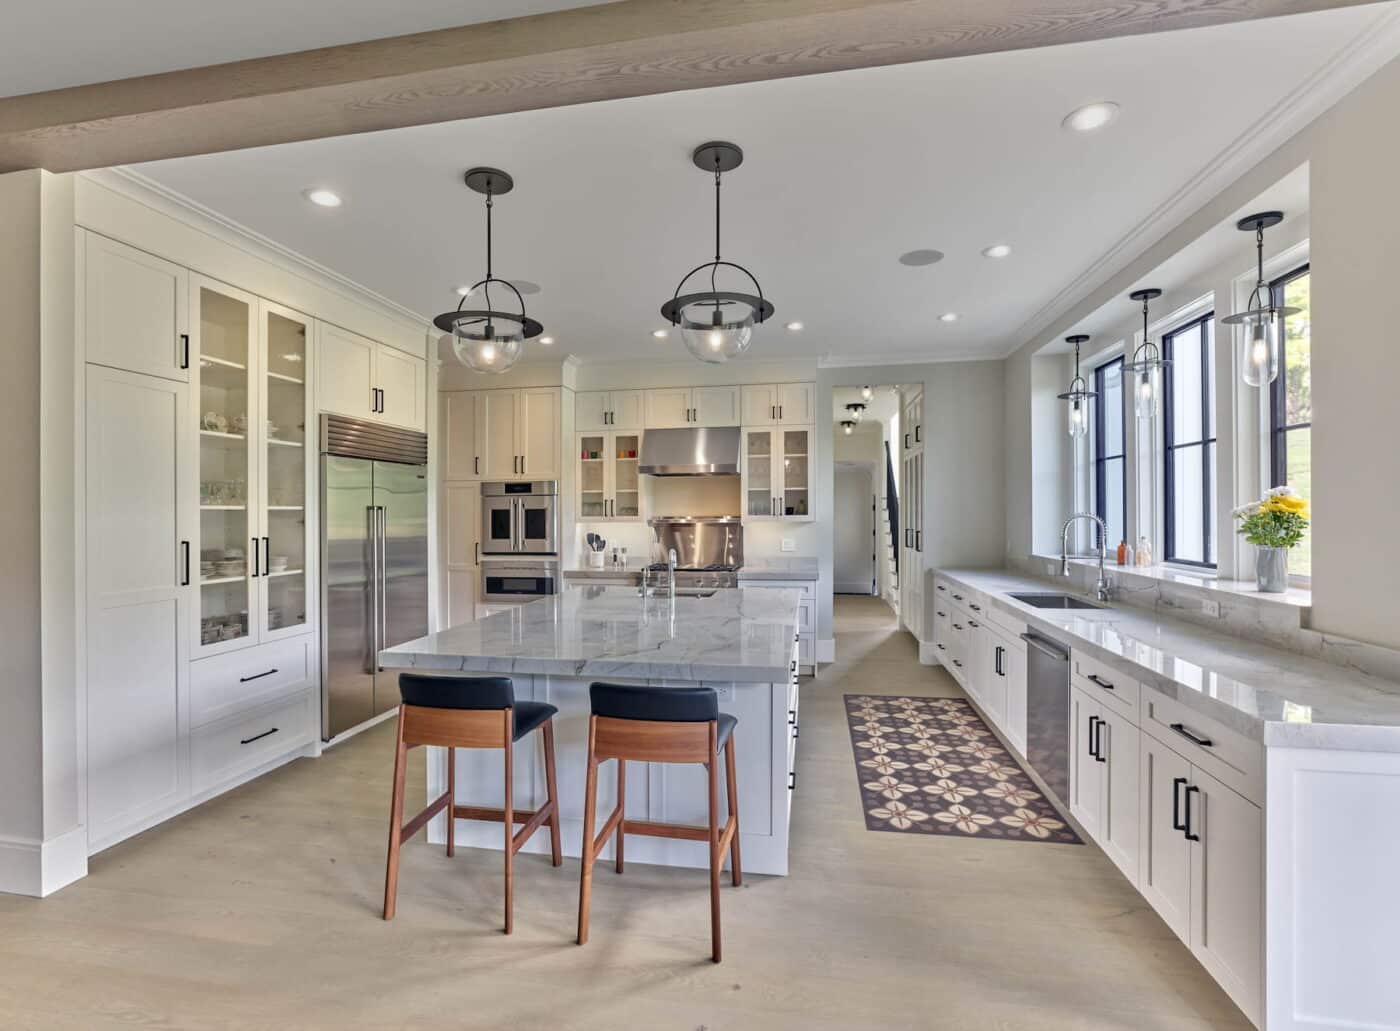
column 510, row 827
column 391, row 866
column 716, row 861
column 621, row 807
column 590, row 801
column 736, row 873
column 451, row 796
column 552, row 790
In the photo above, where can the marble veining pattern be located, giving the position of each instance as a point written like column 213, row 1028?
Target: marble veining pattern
column 794, row 567
column 1278, row 697
column 743, row 636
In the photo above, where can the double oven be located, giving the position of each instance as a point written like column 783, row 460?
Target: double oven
column 519, row 540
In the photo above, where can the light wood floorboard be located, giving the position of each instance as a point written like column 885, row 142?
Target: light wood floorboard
column 261, row 909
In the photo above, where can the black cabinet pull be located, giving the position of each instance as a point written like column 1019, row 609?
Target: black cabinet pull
column 1099, row 755
column 792, row 781
column 906, row 442
column 919, row 540
column 796, row 730
column 267, row 554
column 792, row 717
column 1195, row 739
column 256, row 676
column 974, row 607
column 941, row 648
column 957, row 597
column 1186, row 823
column 258, row 737
column 1093, row 725
column 917, row 438
column 1177, row 783
column 943, row 614
column 941, row 587
column 997, row 661
column 185, row 549
column 256, row 555
column 476, row 465
column 476, row 553
column 1095, row 679
column 184, row 350
column 957, row 626
column 780, row 413
column 974, row 624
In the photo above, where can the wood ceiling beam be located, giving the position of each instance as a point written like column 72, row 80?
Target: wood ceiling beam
column 626, row 49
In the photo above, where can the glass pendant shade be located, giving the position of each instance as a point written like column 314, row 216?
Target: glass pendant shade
column 1078, row 395
column 715, row 333
column 1147, row 392
column 1078, row 419
column 1259, row 339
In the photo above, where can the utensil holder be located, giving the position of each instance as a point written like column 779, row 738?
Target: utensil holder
column 595, row 560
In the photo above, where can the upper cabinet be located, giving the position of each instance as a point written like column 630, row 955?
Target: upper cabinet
column 692, row 406
column 774, row 404
column 365, row 379
column 501, row 434
column 777, row 469
column 135, row 310
column 912, row 420
column 609, row 409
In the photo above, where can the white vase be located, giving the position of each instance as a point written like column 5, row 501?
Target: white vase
column 1271, row 569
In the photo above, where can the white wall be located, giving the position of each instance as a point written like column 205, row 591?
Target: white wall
column 1355, row 249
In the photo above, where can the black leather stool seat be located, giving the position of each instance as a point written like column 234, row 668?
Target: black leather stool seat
column 662, row 704
column 474, row 693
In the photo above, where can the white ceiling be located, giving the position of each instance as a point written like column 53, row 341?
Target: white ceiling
column 844, row 173
column 55, row 43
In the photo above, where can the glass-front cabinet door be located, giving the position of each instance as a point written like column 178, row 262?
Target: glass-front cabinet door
column 608, row 484
column 285, row 455
column 222, row 324
column 760, row 474
column 625, row 450
column 795, row 498
column 593, row 476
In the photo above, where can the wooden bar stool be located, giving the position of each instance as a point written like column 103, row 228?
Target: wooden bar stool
column 660, row 725
column 469, row 712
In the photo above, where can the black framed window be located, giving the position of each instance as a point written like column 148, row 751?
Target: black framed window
column 1188, row 404
column 1290, row 402
column 1110, row 462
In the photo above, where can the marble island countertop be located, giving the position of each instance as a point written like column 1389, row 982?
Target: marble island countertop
column 742, row 636
column 1277, row 697
column 791, row 567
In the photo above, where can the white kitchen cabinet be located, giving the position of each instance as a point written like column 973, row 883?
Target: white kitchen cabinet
column 1013, row 669
column 668, row 407
column 460, row 534
column 806, row 615
column 609, row 488
column 138, row 571
column 912, row 420
column 501, row 434
column 1085, row 781
column 1164, row 870
column 1104, row 771
column 539, row 432
column 498, row 433
column 135, row 309
column 458, row 414
column 911, row 564
column 759, row 404
column 608, row 409
column 776, row 471
column 364, row 379
column 715, row 406
column 776, row 404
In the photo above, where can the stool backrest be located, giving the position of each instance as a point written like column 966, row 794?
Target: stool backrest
column 456, row 692
column 661, row 704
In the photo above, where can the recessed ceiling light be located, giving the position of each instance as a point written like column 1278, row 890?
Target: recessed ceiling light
column 948, row 316
column 462, row 291
column 796, row 327
column 1091, row 116
column 546, row 341
column 996, row 250
column 323, row 198
column 926, row 256
column 660, row 334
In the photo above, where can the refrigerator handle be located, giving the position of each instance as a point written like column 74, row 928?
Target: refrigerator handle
column 382, row 578
column 372, row 520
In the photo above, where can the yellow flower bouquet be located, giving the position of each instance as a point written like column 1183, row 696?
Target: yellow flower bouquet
column 1278, row 520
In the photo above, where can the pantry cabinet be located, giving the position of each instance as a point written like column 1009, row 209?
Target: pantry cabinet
column 364, row 379
column 609, row 409
column 609, row 489
column 501, row 434
column 135, row 310
column 777, row 474
column 774, row 404
column 460, row 534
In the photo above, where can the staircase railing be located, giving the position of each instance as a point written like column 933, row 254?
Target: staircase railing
column 892, row 505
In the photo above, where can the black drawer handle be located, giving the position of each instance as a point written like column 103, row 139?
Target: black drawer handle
column 1177, row 784
column 957, row 664
column 1195, row 739
column 1094, row 679
column 796, row 731
column 792, row 717
column 974, row 607
column 957, row 597
column 792, row 781
column 957, row 626
column 1186, row 822
column 941, row 648
column 256, row 676
column 258, row 737
column 974, row 624
column 943, row 614
column 942, row 588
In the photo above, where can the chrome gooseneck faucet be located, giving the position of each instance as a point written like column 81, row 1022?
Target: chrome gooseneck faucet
column 1101, row 586
column 671, row 570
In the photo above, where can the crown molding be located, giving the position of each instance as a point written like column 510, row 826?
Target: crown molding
column 1350, row 66
column 842, row 361
column 153, row 194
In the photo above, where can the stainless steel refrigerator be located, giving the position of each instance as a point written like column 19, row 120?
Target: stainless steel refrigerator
column 374, row 563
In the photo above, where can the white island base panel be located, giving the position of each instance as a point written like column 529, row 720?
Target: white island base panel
column 764, row 741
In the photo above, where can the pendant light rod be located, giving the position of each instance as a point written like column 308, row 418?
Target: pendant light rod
column 717, row 174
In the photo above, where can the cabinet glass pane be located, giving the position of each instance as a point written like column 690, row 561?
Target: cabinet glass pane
column 626, row 488
column 284, row 466
column 796, row 468
column 225, row 534
column 592, row 477
column 759, row 448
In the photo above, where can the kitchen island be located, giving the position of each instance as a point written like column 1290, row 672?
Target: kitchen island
column 741, row 642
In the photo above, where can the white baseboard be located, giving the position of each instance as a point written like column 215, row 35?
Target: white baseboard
column 30, row 867
column 826, row 650
column 928, row 654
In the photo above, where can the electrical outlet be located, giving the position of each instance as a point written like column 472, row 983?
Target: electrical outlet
column 789, row 544
column 1210, row 607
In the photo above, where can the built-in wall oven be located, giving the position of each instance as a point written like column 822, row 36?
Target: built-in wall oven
column 518, row 579
column 520, row 518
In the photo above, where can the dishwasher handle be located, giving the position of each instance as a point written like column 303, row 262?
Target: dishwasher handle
column 1046, row 646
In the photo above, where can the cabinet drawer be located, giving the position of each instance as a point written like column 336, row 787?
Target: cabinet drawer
column 1107, row 685
column 228, row 684
column 806, row 650
column 1207, row 743
column 1011, row 625
column 221, row 751
column 806, row 587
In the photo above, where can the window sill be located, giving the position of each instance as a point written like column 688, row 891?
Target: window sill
column 1203, row 581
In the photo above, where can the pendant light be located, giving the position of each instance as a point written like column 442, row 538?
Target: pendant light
column 1147, row 364
column 847, row 426
column 1259, row 328
column 1078, row 395
column 866, row 393
column 487, row 337
column 717, row 325
column 857, row 410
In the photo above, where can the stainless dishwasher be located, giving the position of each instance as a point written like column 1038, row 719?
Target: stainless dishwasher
column 1047, row 712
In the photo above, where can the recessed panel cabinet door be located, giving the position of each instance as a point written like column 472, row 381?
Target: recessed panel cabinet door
column 497, row 432
column 591, row 410
column 1164, row 867
column 135, row 310
column 668, row 407
column 1227, row 894
column 345, row 372
column 539, row 439
column 760, row 404
column 715, row 406
column 138, row 594
column 402, row 381
column 460, row 455
column 796, row 403
column 1085, row 780
column 627, row 413
column 1119, row 744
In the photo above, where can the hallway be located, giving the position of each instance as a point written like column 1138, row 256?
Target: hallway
column 278, row 884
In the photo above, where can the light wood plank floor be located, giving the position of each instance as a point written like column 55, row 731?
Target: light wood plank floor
column 261, row 910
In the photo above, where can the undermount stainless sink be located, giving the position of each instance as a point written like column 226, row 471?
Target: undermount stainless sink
column 1054, row 601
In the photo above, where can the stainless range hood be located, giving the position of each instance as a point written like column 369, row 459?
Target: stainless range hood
column 691, row 451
